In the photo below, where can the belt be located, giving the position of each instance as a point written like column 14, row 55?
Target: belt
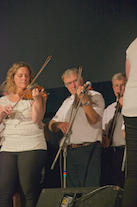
column 82, row 145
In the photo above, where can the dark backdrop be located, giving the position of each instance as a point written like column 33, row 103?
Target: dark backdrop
column 91, row 33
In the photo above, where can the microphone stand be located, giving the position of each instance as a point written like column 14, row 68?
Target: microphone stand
column 63, row 143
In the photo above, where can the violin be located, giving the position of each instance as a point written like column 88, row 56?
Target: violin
column 27, row 93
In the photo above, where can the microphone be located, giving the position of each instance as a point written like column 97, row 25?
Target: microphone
column 86, row 85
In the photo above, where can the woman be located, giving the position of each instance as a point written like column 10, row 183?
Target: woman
column 129, row 110
column 23, row 152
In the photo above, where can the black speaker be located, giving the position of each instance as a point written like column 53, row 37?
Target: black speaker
column 106, row 196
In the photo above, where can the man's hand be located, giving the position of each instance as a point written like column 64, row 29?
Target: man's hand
column 86, row 97
column 105, row 142
column 121, row 101
column 63, row 126
column 56, row 126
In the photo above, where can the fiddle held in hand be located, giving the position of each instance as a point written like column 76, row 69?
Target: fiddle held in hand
column 27, row 93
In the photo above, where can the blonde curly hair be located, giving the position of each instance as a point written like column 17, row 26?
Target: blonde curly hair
column 3, row 88
column 11, row 86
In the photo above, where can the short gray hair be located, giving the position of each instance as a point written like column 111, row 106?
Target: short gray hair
column 69, row 72
column 119, row 76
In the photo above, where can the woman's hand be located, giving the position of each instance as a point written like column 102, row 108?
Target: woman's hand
column 5, row 111
column 36, row 94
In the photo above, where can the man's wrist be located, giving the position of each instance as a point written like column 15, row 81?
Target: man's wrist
column 86, row 103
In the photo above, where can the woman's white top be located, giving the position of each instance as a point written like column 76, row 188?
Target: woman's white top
column 21, row 133
column 129, row 108
column 1, row 134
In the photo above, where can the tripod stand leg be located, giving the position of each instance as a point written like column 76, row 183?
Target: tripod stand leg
column 64, row 166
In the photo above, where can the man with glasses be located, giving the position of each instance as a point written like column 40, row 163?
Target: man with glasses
column 112, row 155
column 84, row 148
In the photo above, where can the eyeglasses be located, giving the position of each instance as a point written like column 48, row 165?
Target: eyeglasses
column 70, row 83
column 119, row 86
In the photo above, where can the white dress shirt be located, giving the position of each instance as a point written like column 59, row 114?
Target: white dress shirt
column 118, row 139
column 81, row 130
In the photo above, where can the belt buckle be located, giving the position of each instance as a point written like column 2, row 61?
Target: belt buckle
column 72, row 146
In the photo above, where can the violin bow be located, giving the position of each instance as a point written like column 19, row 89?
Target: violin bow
column 29, row 86
column 79, row 76
column 76, row 98
column 112, row 126
column 43, row 66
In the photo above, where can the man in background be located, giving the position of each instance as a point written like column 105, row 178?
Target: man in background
column 113, row 140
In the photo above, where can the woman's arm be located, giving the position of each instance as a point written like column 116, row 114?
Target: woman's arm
column 127, row 68
column 38, row 106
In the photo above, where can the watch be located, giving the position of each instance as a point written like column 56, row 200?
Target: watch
column 86, row 103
